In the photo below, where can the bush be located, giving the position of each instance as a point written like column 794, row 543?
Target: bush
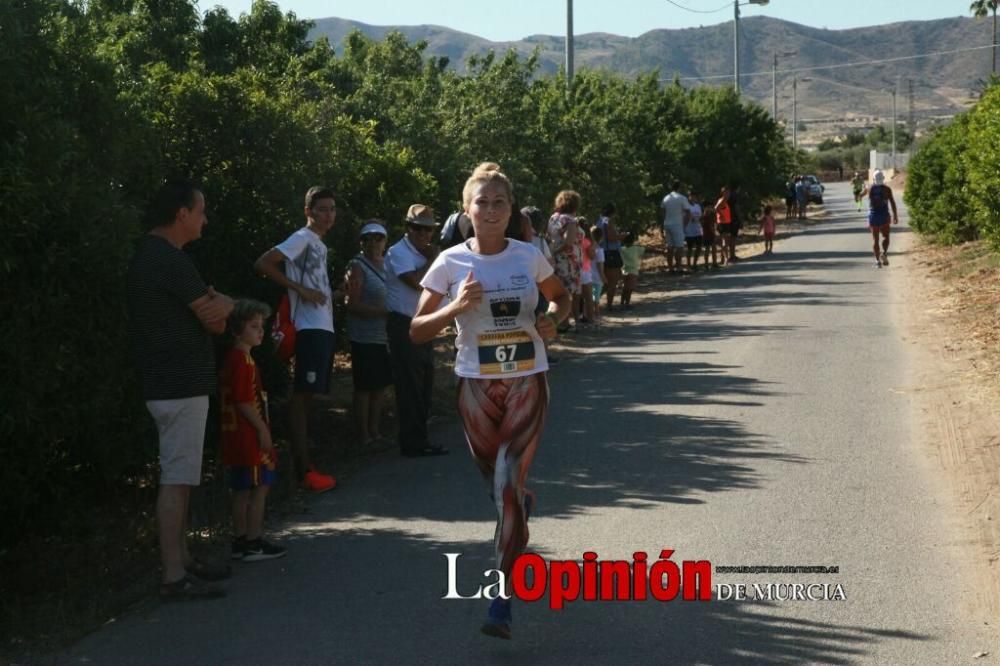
column 105, row 99
column 937, row 186
column 71, row 426
column 952, row 185
column 982, row 163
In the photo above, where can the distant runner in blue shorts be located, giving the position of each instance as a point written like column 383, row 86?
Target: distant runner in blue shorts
column 879, row 202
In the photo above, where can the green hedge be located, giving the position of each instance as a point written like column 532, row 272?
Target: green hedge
column 983, row 164
column 952, row 186
column 103, row 100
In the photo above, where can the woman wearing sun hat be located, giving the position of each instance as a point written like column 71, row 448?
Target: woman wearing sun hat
column 366, row 316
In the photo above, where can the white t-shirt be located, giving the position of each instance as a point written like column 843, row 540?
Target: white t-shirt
column 498, row 338
column 693, row 227
column 595, row 265
column 402, row 258
column 305, row 263
column 674, row 205
column 542, row 246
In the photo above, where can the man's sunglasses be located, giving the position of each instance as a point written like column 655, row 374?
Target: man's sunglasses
column 421, row 228
column 371, row 237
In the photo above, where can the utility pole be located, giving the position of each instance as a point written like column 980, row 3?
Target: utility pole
column 569, row 46
column 894, row 127
column 736, row 46
column 774, row 80
column 911, row 121
column 795, row 113
column 774, row 87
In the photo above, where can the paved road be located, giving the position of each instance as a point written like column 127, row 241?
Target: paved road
column 754, row 416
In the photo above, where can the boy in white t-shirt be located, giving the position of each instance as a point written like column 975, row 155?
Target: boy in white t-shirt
column 693, row 233
column 299, row 264
column 597, row 268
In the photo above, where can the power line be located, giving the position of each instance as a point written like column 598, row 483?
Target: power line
column 845, row 85
column 699, row 11
column 839, row 66
column 870, row 91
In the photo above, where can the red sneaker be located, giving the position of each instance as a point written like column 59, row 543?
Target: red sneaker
column 317, row 482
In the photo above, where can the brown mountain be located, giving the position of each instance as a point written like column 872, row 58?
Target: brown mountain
column 941, row 85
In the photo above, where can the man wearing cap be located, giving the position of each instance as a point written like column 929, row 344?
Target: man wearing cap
column 879, row 201
column 299, row 265
column 412, row 364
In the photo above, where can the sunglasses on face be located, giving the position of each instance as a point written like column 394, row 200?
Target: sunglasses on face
column 372, row 237
column 421, row 228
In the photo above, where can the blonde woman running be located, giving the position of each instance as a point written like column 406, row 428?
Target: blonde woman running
column 492, row 284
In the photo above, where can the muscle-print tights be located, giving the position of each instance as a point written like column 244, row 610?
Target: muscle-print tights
column 503, row 421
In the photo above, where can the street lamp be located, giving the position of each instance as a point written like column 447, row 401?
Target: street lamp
column 569, row 45
column 736, row 36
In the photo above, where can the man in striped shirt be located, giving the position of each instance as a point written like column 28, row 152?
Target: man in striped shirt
column 172, row 316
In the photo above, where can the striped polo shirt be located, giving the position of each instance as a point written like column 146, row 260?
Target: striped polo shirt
column 173, row 351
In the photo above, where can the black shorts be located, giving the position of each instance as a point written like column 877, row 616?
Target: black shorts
column 613, row 259
column 313, row 360
column 693, row 241
column 370, row 367
column 734, row 229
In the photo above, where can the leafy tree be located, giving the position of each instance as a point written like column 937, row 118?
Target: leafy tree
column 69, row 420
column 979, row 9
column 853, row 138
column 104, row 99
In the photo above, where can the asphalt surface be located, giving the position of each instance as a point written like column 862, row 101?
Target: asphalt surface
column 754, row 416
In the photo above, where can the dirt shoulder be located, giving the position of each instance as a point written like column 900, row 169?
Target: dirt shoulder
column 950, row 317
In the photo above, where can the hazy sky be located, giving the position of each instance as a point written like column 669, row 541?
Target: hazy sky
column 502, row 20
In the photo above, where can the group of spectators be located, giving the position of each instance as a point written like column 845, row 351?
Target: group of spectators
column 796, row 197
column 173, row 315
column 694, row 226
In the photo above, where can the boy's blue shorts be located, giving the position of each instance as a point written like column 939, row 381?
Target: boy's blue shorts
column 247, row 478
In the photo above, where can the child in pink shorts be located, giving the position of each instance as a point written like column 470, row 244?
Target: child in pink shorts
column 767, row 226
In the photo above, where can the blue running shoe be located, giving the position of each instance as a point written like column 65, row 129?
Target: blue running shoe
column 498, row 619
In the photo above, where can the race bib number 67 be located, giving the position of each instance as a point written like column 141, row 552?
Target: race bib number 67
column 510, row 351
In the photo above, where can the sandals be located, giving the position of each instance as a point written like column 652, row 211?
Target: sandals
column 207, row 571
column 189, row 588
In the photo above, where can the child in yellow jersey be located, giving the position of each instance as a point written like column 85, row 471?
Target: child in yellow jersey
column 632, row 264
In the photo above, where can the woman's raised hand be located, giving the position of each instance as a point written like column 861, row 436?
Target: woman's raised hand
column 470, row 293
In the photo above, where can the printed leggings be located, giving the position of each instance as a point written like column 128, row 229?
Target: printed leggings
column 503, row 421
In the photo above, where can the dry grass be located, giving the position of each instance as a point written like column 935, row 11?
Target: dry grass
column 967, row 293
